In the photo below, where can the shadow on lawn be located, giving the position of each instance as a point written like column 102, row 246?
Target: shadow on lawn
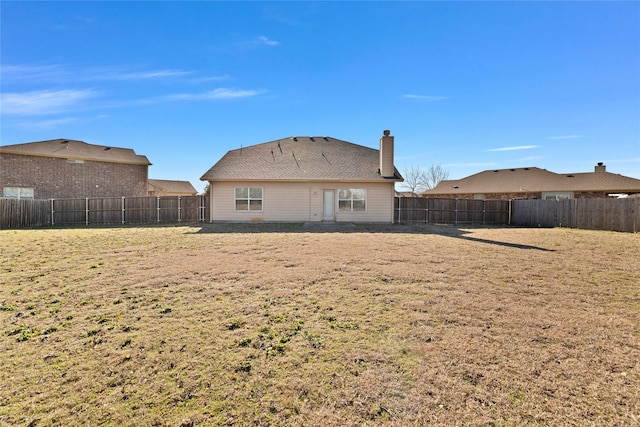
column 441, row 230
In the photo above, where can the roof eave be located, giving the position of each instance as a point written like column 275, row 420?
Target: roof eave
column 144, row 162
column 378, row 180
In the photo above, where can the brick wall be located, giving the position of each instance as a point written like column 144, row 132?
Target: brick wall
column 59, row 178
column 591, row 195
column 490, row 196
column 521, row 196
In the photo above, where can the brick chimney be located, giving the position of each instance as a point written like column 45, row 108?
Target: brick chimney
column 601, row 167
column 386, row 155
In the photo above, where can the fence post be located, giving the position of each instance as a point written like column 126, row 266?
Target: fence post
column 158, row 207
column 427, row 209
column 86, row 211
column 202, row 208
column 456, row 211
column 179, row 211
column 52, row 218
column 484, row 210
column 123, row 210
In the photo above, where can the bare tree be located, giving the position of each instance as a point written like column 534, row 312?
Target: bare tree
column 415, row 180
column 434, row 175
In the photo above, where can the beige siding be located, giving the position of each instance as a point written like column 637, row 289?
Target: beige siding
column 379, row 203
column 300, row 202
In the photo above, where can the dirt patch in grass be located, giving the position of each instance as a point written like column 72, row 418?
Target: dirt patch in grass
column 294, row 325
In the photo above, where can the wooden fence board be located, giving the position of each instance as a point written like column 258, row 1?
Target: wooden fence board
column 595, row 214
column 189, row 209
column 422, row 210
column 108, row 211
column 21, row 213
column 589, row 214
column 69, row 211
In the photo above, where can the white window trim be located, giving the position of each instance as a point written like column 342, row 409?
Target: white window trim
column 20, row 190
column 557, row 195
column 351, row 211
column 248, row 199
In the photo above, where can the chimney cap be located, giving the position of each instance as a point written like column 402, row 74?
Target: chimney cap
column 600, row 164
column 386, row 132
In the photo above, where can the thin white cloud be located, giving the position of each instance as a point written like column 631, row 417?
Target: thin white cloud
column 182, row 76
column 425, row 97
column 56, row 123
column 145, row 75
column 75, row 23
column 264, row 40
column 220, row 93
column 47, row 124
column 53, row 72
column 257, row 42
column 24, row 69
column 515, row 148
column 565, row 137
column 60, row 73
column 225, row 93
column 470, row 164
column 42, row 102
column 208, row 79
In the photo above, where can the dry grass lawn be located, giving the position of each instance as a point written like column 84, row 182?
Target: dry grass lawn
column 287, row 325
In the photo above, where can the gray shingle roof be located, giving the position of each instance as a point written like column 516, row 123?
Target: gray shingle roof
column 299, row 158
column 173, row 186
column 524, row 180
column 76, row 150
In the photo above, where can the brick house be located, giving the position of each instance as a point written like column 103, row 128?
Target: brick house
column 61, row 168
column 536, row 183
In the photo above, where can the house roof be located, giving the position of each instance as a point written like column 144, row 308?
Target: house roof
column 169, row 186
column 527, row 180
column 300, row 158
column 76, row 150
column 406, row 194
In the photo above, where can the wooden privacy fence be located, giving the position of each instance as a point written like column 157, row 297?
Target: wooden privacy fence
column 122, row 210
column 20, row 213
column 591, row 214
column 422, row 210
column 594, row 214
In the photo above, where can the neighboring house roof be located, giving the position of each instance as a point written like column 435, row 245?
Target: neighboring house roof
column 406, row 194
column 76, row 150
column 168, row 186
column 528, row 180
column 300, row 158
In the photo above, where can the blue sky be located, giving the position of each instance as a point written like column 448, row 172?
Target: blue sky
column 468, row 85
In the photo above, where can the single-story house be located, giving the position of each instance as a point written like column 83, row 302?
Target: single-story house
column 68, row 169
column 163, row 187
column 536, row 183
column 304, row 179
